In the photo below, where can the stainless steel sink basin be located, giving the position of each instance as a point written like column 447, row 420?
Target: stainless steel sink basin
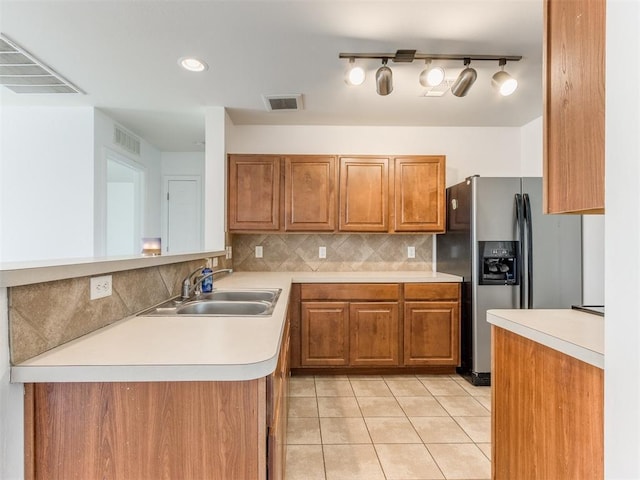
column 223, row 307
column 221, row 303
column 266, row 295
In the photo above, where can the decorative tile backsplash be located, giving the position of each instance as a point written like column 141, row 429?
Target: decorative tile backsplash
column 44, row 316
column 345, row 252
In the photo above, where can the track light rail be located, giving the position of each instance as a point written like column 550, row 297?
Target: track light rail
column 406, row 56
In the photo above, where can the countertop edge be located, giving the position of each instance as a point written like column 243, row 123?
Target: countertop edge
column 497, row 318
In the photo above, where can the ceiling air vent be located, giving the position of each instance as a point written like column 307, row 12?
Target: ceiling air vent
column 283, row 102
column 21, row 72
column 126, row 140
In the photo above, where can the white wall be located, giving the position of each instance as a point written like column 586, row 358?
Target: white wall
column 216, row 128
column 622, row 242
column 47, row 183
column 487, row 151
column 149, row 160
column 531, row 148
column 182, row 163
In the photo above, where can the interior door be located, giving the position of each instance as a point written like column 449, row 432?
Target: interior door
column 184, row 232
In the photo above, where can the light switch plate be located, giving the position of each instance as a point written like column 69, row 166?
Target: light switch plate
column 322, row 252
column 258, row 251
column 411, row 252
column 100, row 287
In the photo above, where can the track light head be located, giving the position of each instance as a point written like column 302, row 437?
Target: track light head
column 384, row 79
column 465, row 80
column 431, row 76
column 503, row 82
column 355, row 74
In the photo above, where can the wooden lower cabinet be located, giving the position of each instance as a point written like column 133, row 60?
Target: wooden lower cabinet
column 373, row 333
column 216, row 430
column 360, row 326
column 547, row 412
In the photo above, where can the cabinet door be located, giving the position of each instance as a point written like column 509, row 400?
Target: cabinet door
column 324, row 333
column 310, row 193
column 431, row 333
column 364, row 194
column 374, row 333
column 574, row 77
column 419, row 194
column 254, row 192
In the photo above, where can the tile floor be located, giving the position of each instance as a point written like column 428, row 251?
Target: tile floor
column 409, row 427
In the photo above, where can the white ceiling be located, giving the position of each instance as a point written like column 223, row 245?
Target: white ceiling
column 124, row 55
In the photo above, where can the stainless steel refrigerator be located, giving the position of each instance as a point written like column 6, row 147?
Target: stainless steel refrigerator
column 510, row 256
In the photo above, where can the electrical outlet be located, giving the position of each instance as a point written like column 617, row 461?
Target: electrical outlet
column 322, row 252
column 214, row 262
column 411, row 252
column 100, row 287
column 258, row 251
column 228, row 252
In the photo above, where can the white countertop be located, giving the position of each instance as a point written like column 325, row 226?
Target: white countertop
column 574, row 333
column 189, row 348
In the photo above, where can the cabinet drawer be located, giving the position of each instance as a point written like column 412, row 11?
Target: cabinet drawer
column 432, row 291
column 350, row 291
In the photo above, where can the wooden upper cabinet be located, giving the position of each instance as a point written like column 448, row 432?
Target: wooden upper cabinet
column 310, row 193
column 254, row 192
column 364, row 194
column 574, row 113
column 419, row 194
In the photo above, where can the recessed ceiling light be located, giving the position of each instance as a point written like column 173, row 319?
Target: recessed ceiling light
column 193, row 64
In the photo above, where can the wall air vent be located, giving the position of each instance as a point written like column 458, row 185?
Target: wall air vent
column 283, row 102
column 21, row 72
column 126, row 140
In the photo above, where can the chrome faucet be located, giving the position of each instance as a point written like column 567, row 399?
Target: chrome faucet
column 191, row 288
column 186, row 283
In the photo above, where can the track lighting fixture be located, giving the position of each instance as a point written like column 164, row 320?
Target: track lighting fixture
column 355, row 74
column 384, row 79
column 432, row 76
column 502, row 81
column 465, row 80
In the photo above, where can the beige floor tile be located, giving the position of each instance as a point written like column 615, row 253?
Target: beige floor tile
column 333, row 388
column 422, row 407
column 486, row 449
column 399, row 377
column 338, row 407
column 344, row 431
column 332, row 377
column 305, row 462
column 484, row 401
column 303, row 431
column 476, row 391
column 364, row 388
column 391, row 430
column 466, row 406
column 380, row 407
column 443, row 387
column 439, row 430
column 302, row 387
column 352, row 462
column 462, row 461
column 478, row 428
column 365, row 377
column 303, row 407
column 407, row 388
column 407, row 462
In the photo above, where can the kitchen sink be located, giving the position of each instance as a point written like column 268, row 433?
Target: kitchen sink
column 224, row 307
column 221, row 303
column 266, row 295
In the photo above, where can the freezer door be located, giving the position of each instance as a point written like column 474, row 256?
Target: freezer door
column 557, row 253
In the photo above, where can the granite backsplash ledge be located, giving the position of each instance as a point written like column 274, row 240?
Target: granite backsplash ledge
column 348, row 252
column 45, row 315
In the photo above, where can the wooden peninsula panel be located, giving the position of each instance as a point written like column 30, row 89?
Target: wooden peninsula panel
column 547, row 412
column 148, row 430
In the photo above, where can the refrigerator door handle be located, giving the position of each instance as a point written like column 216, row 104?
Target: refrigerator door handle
column 527, row 214
column 520, row 225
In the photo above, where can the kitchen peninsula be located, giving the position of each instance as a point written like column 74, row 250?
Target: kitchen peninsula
column 129, row 397
column 547, row 394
